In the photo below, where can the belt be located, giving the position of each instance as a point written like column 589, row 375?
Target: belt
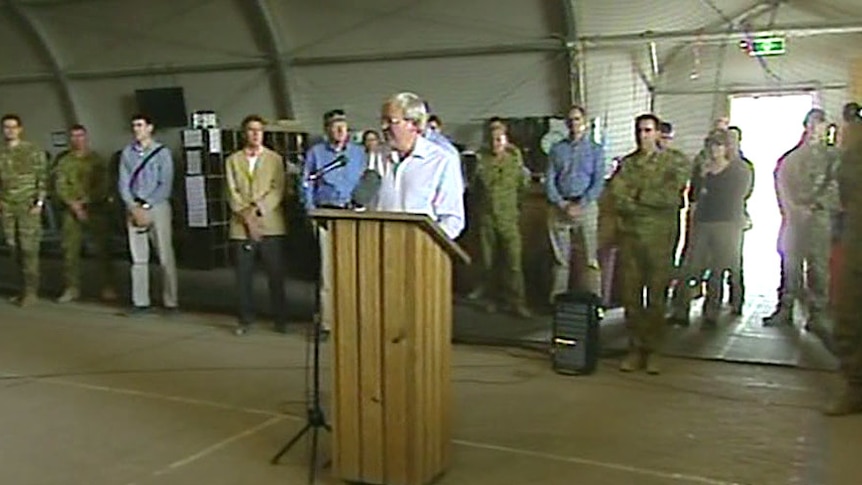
column 576, row 200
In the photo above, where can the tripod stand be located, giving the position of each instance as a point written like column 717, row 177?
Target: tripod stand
column 314, row 412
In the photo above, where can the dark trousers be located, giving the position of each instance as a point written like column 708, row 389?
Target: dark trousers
column 271, row 249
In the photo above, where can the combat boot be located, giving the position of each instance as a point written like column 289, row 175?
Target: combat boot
column 847, row 401
column 678, row 320
column 522, row 311
column 29, row 298
column 109, row 294
column 71, row 294
column 477, row 294
column 632, row 362
column 653, row 366
column 781, row 317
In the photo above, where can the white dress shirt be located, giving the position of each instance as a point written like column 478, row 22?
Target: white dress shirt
column 428, row 181
column 377, row 161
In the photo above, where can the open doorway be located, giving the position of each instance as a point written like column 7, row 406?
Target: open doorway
column 771, row 125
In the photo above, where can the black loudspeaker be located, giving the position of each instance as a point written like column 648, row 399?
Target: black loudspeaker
column 575, row 333
column 166, row 107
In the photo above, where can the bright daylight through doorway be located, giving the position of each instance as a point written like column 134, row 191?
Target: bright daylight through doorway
column 771, row 125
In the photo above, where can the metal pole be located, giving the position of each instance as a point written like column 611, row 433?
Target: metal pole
column 798, row 30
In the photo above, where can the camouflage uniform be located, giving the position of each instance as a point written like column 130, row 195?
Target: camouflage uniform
column 646, row 193
column 23, row 180
column 499, row 182
column 847, row 333
column 808, row 190
column 736, row 282
column 84, row 178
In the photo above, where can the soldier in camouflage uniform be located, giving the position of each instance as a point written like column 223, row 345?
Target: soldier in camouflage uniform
column 808, row 190
column 499, row 182
column 23, row 180
column 736, row 281
column 82, row 186
column 646, row 192
column 847, row 333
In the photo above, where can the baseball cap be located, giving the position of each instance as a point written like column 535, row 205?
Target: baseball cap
column 815, row 114
column 334, row 115
column 852, row 112
column 665, row 128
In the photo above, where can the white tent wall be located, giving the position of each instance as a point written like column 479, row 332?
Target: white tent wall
column 819, row 63
column 617, row 73
column 608, row 17
column 103, row 35
column 107, row 104
column 37, row 100
column 462, row 90
column 106, row 52
column 38, row 105
column 374, row 59
column 815, row 64
column 472, row 60
column 616, row 94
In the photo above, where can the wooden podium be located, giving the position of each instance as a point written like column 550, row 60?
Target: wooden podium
column 391, row 279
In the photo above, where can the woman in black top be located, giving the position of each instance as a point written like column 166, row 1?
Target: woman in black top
column 718, row 205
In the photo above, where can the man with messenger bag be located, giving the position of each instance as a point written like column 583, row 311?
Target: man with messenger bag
column 145, row 183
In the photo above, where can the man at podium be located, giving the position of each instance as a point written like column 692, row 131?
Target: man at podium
column 422, row 178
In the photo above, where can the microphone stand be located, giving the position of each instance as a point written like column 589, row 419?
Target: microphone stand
column 315, row 416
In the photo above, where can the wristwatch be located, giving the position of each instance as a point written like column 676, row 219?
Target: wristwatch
column 38, row 203
column 146, row 206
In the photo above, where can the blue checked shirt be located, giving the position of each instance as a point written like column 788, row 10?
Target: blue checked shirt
column 154, row 182
column 335, row 188
column 576, row 170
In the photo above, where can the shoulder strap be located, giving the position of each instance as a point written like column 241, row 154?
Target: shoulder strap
column 140, row 167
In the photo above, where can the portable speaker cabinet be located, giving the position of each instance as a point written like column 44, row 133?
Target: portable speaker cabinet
column 575, row 333
column 391, row 278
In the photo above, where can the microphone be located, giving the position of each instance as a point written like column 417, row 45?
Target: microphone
column 366, row 190
column 339, row 162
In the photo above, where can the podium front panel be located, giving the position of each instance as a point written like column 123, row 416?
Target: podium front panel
column 392, row 318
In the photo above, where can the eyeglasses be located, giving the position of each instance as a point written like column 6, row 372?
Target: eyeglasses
column 386, row 122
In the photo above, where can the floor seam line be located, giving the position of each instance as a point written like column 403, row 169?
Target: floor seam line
column 596, row 463
column 165, row 397
column 175, row 465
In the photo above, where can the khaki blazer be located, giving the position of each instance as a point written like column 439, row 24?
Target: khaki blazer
column 264, row 187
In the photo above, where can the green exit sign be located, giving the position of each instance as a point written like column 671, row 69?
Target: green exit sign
column 767, row 46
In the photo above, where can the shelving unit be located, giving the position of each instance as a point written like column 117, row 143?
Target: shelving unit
column 207, row 216
column 206, row 211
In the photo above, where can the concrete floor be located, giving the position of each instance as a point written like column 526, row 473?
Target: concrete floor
column 90, row 397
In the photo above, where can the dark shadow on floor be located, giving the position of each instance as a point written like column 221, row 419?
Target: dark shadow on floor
column 743, row 340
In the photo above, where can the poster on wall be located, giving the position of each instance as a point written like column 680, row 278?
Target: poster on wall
column 196, row 203
column 59, row 140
